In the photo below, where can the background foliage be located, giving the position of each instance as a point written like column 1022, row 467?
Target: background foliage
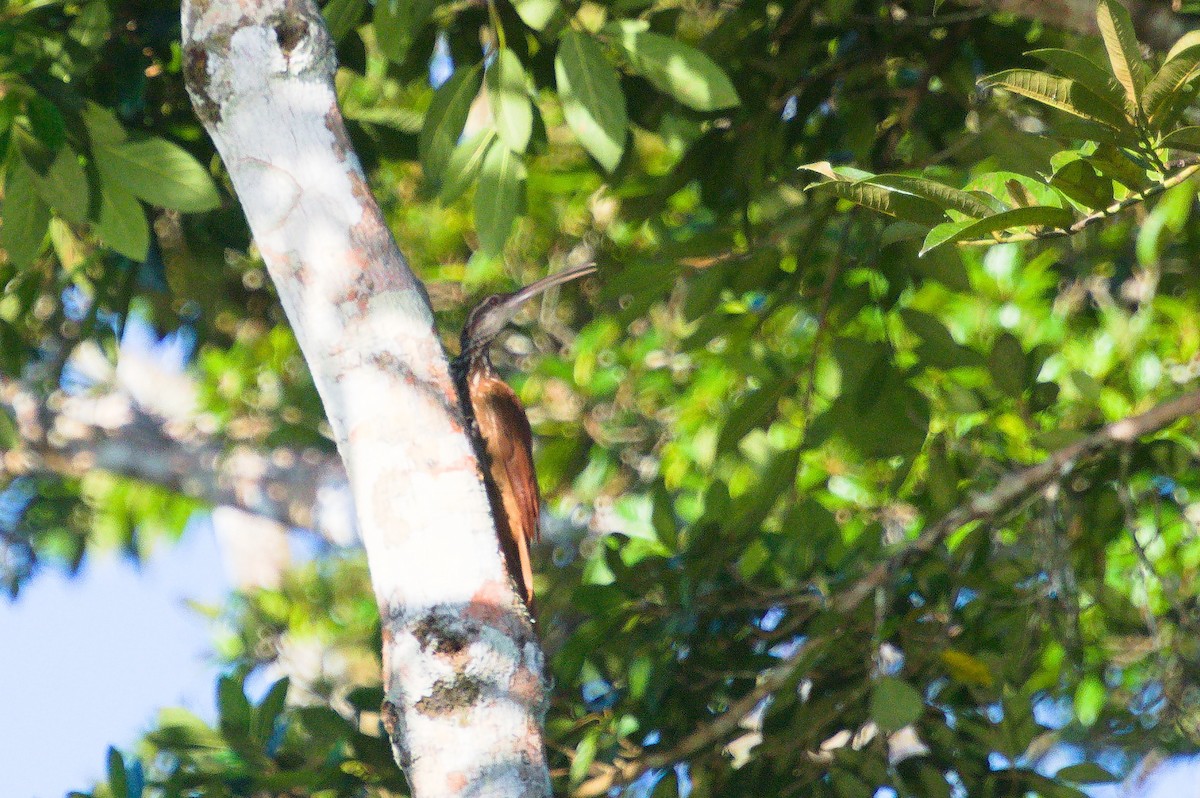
column 769, row 390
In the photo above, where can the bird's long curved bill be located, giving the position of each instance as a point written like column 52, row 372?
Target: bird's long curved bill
column 549, row 281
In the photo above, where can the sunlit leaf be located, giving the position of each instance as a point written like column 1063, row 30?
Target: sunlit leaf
column 1169, row 83
column 678, row 69
column 1063, row 94
column 1037, row 215
column 853, row 185
column 1124, row 53
column 445, row 119
column 512, row 108
column 536, row 13
column 159, row 172
column 464, row 164
column 397, row 23
column 593, row 103
column 1090, row 697
column 24, row 216
column 946, row 196
column 498, row 197
column 343, row 16
column 1086, row 72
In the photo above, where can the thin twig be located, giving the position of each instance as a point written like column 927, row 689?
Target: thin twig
column 1187, row 169
column 1013, row 489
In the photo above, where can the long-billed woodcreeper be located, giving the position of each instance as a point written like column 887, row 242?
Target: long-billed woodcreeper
column 500, row 429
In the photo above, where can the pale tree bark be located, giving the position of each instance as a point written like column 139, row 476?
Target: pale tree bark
column 463, row 672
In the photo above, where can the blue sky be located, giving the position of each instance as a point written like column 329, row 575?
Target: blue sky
column 86, row 662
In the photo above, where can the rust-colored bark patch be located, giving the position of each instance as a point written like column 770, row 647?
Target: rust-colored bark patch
column 342, row 146
column 391, row 718
column 526, row 687
column 393, row 723
column 195, row 76
column 491, row 605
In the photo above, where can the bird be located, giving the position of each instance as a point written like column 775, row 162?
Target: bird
column 500, row 429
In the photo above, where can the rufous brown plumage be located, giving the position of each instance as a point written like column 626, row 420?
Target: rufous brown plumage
column 503, row 438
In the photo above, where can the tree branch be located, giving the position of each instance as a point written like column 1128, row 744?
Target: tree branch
column 463, row 672
column 1012, row 490
column 1016, row 487
column 71, row 435
column 1156, row 23
column 1187, row 168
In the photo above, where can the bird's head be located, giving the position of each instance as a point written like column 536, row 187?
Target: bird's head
column 493, row 313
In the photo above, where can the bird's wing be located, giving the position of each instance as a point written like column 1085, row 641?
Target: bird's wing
column 509, row 442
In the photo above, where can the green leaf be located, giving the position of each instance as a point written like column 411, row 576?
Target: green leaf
column 136, row 778
column 102, row 125
column 1008, row 365
column 1021, row 190
column 122, row 222
column 498, row 197
column 878, row 412
column 406, row 120
column 118, row 782
column 179, row 728
column 1184, row 42
column 233, row 707
column 946, row 196
column 585, row 754
column 464, row 164
column 270, row 709
column 397, row 23
column 1170, row 81
column 1113, row 163
column 24, row 217
column 1090, row 696
column 536, row 13
column 1085, row 72
column 1124, row 54
column 1063, row 94
column 343, row 16
column 938, row 347
column 1039, row 215
column 1185, row 138
column 1085, row 773
column 678, row 69
column 159, row 172
column 592, row 100
column 1080, row 181
column 64, row 186
column 445, row 119
column 508, row 94
column 903, row 206
column 847, row 785
column 895, row 704
column 46, row 122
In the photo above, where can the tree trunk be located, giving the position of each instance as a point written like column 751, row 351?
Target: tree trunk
column 463, row 680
